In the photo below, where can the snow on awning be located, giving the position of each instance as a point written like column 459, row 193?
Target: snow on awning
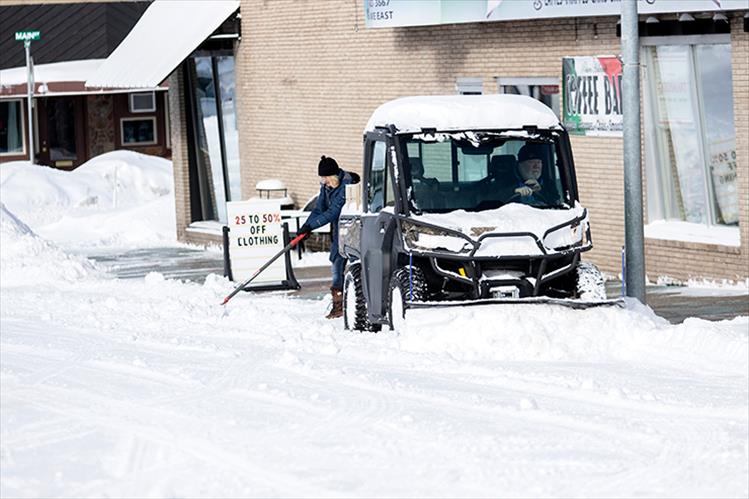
column 57, row 78
column 168, row 32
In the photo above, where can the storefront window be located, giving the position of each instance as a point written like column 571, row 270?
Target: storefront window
column 545, row 90
column 11, row 128
column 231, row 136
column 690, row 139
column 216, row 137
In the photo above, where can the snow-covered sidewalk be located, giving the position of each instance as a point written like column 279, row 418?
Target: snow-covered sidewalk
column 149, row 388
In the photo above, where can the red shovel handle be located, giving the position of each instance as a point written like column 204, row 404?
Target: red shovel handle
column 288, row 247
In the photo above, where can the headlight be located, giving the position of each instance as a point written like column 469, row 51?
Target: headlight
column 422, row 238
column 567, row 237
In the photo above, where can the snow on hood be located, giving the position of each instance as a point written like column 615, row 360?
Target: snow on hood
column 27, row 259
column 513, row 217
column 463, row 112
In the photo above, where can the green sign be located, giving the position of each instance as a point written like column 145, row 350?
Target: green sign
column 27, row 36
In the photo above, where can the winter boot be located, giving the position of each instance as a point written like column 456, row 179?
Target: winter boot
column 337, row 310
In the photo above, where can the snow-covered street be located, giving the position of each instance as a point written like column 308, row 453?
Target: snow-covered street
column 148, row 387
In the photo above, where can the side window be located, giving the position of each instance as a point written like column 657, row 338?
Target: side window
column 376, row 194
column 389, row 196
column 472, row 167
column 437, row 161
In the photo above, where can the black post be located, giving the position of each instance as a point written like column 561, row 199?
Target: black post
column 227, row 260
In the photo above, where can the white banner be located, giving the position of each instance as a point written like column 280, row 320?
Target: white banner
column 392, row 13
column 255, row 236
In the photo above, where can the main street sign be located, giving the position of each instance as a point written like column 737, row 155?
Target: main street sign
column 27, row 36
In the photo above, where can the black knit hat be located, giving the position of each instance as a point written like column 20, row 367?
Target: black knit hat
column 327, row 167
column 531, row 151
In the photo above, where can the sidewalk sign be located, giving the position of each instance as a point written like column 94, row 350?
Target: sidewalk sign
column 253, row 235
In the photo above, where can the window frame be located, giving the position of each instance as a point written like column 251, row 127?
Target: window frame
column 657, row 213
column 23, row 119
column 152, row 119
column 370, row 169
column 536, row 81
column 469, row 85
column 167, row 122
column 131, row 102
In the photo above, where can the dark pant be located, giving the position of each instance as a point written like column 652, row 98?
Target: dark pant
column 337, row 270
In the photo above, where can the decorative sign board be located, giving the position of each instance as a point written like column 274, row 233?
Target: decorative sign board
column 592, row 95
column 255, row 236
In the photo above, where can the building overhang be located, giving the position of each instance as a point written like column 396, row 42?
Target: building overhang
column 167, row 33
column 58, row 79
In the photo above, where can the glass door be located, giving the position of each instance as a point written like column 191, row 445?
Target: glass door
column 211, row 83
column 62, row 144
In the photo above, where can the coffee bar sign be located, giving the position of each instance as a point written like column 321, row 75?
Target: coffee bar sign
column 592, row 95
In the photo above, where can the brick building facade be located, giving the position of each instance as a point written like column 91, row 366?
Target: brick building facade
column 309, row 75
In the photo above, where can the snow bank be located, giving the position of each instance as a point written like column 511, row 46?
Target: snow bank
column 554, row 333
column 118, row 198
column 28, row 259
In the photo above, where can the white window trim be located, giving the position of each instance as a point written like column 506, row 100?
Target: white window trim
column 685, row 40
column 690, row 232
column 131, row 106
column 469, row 84
column 167, row 122
column 529, row 80
column 150, row 143
column 24, row 119
column 708, row 232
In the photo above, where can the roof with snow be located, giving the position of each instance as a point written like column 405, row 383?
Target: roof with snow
column 166, row 34
column 55, row 72
column 51, row 79
column 463, row 112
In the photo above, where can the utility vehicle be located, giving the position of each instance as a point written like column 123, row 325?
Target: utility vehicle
column 464, row 200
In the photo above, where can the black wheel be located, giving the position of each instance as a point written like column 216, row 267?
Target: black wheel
column 589, row 282
column 407, row 284
column 354, row 304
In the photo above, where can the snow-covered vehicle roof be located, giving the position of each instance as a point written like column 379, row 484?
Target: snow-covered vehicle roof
column 463, row 112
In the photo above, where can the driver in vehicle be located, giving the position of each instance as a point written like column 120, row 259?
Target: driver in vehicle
column 530, row 167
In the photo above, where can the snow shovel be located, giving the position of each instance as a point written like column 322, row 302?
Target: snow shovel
column 288, row 247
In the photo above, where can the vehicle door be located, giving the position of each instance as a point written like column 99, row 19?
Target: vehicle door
column 378, row 224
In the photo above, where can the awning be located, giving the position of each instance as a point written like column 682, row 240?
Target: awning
column 167, row 33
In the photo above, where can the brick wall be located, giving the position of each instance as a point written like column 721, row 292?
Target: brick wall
column 178, row 124
column 310, row 74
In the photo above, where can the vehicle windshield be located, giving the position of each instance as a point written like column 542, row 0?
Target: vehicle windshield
column 483, row 171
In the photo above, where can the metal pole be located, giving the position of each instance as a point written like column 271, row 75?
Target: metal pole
column 634, row 233
column 30, row 97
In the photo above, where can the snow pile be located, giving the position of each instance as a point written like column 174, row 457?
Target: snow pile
column 28, row 259
column 148, row 387
column 553, row 333
column 118, row 198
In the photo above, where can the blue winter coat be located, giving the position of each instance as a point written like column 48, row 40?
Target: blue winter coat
column 328, row 207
